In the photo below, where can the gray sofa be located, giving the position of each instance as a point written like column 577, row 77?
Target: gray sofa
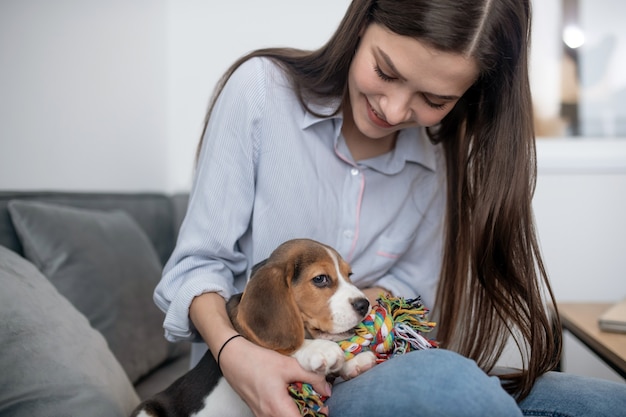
column 79, row 333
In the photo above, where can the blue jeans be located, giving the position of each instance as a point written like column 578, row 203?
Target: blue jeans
column 438, row 382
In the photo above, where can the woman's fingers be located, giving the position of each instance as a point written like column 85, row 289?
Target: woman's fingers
column 261, row 377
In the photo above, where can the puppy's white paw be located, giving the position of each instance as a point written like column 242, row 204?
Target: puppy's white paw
column 357, row 365
column 321, row 356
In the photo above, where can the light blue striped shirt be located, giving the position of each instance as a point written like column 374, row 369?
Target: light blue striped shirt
column 269, row 172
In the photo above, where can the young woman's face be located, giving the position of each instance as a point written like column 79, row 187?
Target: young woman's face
column 396, row 82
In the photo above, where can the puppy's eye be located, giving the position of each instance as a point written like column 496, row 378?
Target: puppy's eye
column 321, row 281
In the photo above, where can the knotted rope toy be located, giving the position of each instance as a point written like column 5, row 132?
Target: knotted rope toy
column 393, row 327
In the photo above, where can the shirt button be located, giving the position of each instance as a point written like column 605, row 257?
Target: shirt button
column 354, row 171
column 348, row 234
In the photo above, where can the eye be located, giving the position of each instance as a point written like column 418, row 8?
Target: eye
column 321, row 281
column 433, row 105
column 382, row 75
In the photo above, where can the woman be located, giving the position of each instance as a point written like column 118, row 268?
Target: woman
column 406, row 142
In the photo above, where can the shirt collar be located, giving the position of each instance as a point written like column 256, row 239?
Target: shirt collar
column 413, row 144
column 328, row 107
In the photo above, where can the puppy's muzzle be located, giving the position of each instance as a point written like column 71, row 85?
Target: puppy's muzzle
column 361, row 306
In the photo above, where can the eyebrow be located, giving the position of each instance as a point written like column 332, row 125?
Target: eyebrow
column 390, row 64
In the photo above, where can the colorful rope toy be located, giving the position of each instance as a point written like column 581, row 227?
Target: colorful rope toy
column 393, row 327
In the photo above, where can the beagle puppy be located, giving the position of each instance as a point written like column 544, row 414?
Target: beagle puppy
column 299, row 302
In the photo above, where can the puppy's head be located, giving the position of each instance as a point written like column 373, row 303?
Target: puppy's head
column 302, row 289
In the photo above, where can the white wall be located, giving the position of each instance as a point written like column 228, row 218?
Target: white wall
column 83, row 94
column 110, row 95
column 580, row 209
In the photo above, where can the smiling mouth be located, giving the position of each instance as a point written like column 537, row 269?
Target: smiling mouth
column 375, row 117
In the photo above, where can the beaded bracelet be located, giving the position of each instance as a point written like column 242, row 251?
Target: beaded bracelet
column 222, row 348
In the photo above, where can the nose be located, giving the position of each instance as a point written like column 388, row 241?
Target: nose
column 397, row 108
column 361, row 306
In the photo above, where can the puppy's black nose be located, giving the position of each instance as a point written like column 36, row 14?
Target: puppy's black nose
column 361, row 306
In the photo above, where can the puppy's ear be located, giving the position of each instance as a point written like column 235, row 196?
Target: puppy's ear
column 267, row 313
column 257, row 266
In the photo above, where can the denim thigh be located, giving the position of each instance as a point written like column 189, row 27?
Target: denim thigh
column 432, row 382
column 557, row 394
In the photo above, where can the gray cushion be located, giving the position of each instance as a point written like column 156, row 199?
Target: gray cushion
column 104, row 264
column 52, row 362
column 156, row 214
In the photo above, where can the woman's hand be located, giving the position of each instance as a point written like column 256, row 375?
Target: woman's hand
column 261, row 377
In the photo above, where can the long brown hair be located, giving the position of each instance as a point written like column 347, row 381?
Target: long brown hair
column 493, row 282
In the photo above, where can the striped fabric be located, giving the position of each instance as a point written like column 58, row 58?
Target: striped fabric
column 269, row 172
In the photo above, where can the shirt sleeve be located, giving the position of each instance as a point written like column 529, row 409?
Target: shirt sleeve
column 206, row 257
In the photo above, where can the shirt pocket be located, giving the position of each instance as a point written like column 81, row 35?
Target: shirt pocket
column 387, row 253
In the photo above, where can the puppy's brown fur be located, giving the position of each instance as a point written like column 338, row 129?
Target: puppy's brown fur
column 284, row 288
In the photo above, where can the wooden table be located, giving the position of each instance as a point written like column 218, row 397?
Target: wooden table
column 581, row 320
